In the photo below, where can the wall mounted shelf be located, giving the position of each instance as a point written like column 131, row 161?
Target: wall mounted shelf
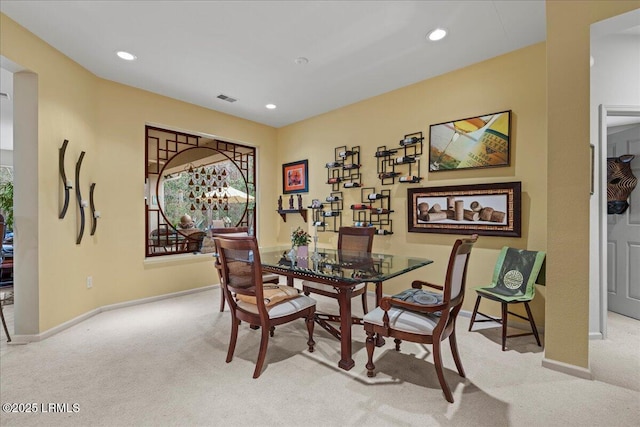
column 283, row 213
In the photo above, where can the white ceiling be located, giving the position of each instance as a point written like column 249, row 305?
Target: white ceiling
column 195, row 50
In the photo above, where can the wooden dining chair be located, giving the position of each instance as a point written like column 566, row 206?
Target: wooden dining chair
column 251, row 301
column 354, row 239
column 236, row 231
column 424, row 317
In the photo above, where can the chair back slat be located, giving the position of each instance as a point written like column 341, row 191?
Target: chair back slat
column 456, row 277
column 240, row 264
column 356, row 239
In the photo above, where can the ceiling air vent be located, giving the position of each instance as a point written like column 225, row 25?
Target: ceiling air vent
column 226, row 98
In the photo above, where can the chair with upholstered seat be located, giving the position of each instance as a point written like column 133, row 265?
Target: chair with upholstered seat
column 353, row 239
column 251, row 301
column 514, row 278
column 424, row 317
column 236, row 231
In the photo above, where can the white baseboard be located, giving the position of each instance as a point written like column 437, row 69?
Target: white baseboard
column 595, row 336
column 565, row 368
column 25, row 339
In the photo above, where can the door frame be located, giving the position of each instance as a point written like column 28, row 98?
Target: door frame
column 600, row 161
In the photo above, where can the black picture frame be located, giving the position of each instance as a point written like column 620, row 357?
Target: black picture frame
column 471, row 143
column 295, row 177
column 484, row 209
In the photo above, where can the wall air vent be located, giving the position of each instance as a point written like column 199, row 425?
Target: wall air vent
column 226, row 98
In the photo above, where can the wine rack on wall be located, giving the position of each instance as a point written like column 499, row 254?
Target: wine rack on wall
column 374, row 210
column 344, row 170
column 401, row 163
column 331, row 218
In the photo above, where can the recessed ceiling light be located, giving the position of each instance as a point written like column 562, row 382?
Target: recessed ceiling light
column 126, row 55
column 301, row 60
column 271, row 106
column 437, row 34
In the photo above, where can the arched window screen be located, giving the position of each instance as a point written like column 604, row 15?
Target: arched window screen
column 195, row 184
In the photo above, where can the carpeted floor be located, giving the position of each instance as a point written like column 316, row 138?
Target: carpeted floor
column 162, row 363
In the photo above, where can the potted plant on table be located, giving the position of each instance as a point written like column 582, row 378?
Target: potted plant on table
column 300, row 239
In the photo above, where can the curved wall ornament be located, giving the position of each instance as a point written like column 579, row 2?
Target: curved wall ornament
column 66, row 183
column 81, row 203
column 94, row 213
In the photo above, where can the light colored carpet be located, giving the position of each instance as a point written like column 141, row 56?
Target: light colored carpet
column 163, row 363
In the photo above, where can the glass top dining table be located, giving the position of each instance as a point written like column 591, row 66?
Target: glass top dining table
column 342, row 270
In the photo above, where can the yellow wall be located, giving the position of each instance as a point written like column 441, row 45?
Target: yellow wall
column 107, row 120
column 568, row 47
column 515, row 81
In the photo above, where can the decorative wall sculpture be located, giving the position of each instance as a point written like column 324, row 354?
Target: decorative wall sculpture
column 81, row 203
column 65, row 182
column 620, row 183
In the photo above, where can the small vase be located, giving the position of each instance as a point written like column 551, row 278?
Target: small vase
column 303, row 251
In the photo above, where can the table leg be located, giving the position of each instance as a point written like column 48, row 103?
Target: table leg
column 344, row 301
column 379, row 340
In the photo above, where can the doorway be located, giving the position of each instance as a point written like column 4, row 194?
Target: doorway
column 621, row 137
column 615, row 96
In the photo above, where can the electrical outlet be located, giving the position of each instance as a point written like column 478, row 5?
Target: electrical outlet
column 89, row 282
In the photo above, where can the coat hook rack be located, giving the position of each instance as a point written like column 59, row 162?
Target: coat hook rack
column 81, row 203
column 66, row 183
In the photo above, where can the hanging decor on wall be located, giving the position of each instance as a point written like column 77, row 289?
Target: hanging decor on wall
column 81, row 203
column 66, row 184
column 94, row 213
column 295, row 177
column 471, row 143
column 486, row 209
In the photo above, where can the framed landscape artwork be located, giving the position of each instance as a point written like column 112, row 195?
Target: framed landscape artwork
column 295, row 177
column 474, row 142
column 486, row 209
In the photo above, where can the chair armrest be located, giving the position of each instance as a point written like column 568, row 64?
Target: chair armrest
column 418, row 284
column 387, row 302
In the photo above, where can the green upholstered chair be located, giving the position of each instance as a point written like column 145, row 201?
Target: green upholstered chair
column 514, row 278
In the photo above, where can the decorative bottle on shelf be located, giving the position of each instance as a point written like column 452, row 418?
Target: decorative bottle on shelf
column 334, row 164
column 409, row 178
column 333, row 199
column 346, row 153
column 385, row 153
column 383, row 232
column 380, row 211
column 351, row 184
column 348, row 166
column 375, row 196
column 359, row 207
column 334, row 180
column 362, row 224
column 385, row 175
column 330, row 213
column 409, row 141
column 404, row 159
